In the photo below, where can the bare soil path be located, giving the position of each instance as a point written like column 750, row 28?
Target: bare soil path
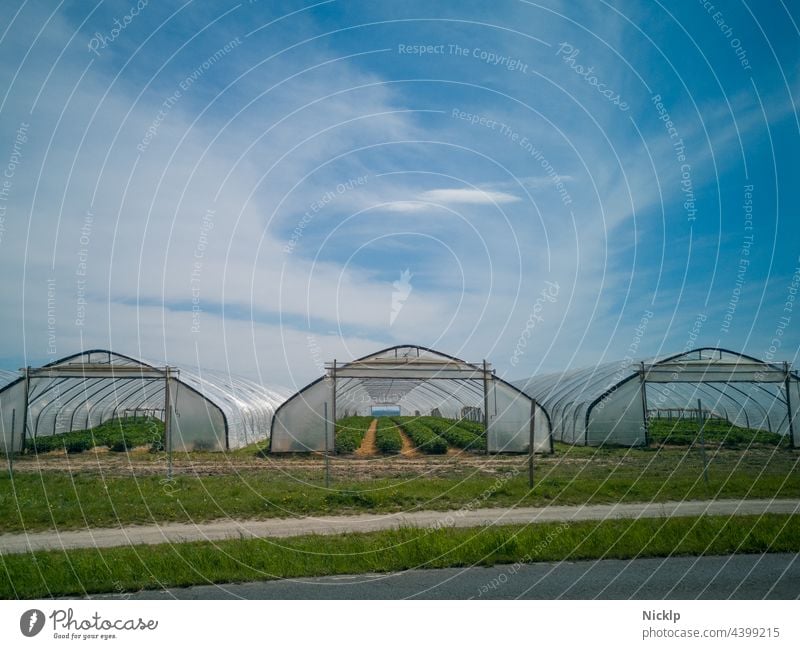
column 408, row 449
column 368, row 447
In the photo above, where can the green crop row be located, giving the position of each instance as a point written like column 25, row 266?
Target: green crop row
column 685, row 432
column 423, row 437
column 472, row 426
column 452, row 432
column 387, row 436
column 350, row 433
column 118, row 434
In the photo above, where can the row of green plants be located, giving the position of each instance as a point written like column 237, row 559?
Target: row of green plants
column 453, row 432
column 424, row 438
column 387, row 436
column 350, row 433
column 717, row 432
column 118, row 435
column 472, row 426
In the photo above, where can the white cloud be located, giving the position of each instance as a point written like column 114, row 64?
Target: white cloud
column 468, row 196
column 474, row 284
column 406, row 206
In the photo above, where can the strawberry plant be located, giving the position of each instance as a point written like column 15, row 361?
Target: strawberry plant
column 473, row 426
column 387, row 436
column 117, row 434
column 423, row 437
column 452, row 432
column 350, row 433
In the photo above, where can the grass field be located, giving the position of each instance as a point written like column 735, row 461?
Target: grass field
column 260, row 488
column 117, row 570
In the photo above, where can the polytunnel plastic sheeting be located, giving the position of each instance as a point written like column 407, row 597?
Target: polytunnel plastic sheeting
column 510, row 421
column 449, row 397
column 748, row 405
column 607, row 403
column 417, row 380
column 211, row 410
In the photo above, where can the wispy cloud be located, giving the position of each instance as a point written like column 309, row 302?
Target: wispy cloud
column 432, row 198
column 273, row 145
column 468, row 196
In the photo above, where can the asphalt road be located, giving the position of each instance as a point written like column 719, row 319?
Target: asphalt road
column 768, row 576
column 286, row 527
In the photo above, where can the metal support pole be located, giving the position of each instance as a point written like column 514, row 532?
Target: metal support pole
column 27, row 382
column 486, row 405
column 702, row 439
column 531, row 447
column 333, row 397
column 787, row 384
column 327, row 450
column 11, row 452
column 167, row 422
column 643, row 390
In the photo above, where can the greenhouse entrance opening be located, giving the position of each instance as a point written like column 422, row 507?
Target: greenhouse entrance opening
column 385, row 411
column 412, row 382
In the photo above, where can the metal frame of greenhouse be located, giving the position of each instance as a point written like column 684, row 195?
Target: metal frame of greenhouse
column 418, row 380
column 609, row 403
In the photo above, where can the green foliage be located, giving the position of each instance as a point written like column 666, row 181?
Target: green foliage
column 350, row 433
column 453, row 432
column 350, row 499
column 118, row 434
column 387, row 436
column 423, row 437
column 717, row 432
column 78, row 445
column 119, row 446
column 472, row 426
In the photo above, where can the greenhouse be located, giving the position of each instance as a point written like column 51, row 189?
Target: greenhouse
column 206, row 410
column 613, row 402
column 411, row 381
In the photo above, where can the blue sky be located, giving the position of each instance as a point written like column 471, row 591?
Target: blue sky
column 263, row 187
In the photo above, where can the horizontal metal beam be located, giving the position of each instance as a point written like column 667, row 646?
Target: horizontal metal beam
column 731, row 373
column 422, row 373
column 408, row 360
column 99, row 370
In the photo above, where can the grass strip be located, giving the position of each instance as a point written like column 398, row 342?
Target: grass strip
column 77, row 572
column 68, row 501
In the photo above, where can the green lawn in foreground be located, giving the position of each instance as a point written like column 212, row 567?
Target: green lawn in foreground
column 77, row 572
column 63, row 501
